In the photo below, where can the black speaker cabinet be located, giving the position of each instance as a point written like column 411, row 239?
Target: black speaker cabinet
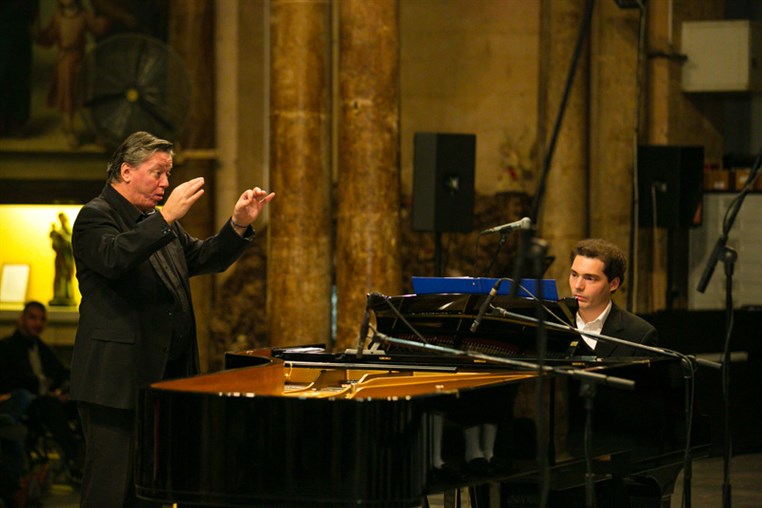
column 443, row 181
column 673, row 177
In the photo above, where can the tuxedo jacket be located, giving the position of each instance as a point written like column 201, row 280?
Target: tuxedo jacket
column 133, row 272
column 624, row 325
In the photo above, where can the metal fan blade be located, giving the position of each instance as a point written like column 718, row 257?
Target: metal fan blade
column 109, row 84
column 152, row 68
column 94, row 102
column 112, row 117
column 158, row 113
column 168, row 109
column 134, row 82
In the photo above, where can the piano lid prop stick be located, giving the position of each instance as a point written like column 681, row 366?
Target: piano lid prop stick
column 363, row 332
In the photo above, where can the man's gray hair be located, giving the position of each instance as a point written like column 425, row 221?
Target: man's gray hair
column 134, row 150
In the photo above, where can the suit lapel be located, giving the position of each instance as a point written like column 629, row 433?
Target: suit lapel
column 611, row 328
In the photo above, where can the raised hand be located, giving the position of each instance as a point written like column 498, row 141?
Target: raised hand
column 249, row 205
column 182, row 198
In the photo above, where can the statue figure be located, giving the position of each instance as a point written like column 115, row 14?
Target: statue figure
column 60, row 239
column 67, row 30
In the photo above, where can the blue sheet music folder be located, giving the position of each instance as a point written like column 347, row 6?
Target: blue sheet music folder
column 482, row 286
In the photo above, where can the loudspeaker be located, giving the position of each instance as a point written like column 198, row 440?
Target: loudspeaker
column 443, row 181
column 674, row 175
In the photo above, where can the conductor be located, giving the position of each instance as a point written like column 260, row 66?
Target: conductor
column 136, row 326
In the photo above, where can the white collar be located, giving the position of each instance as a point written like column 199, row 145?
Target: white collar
column 601, row 317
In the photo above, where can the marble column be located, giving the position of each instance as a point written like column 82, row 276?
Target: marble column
column 192, row 35
column 368, row 201
column 615, row 96
column 564, row 214
column 299, row 261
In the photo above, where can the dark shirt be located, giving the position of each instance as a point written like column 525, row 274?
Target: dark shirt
column 16, row 369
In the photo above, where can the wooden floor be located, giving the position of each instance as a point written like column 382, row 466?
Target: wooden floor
column 706, row 491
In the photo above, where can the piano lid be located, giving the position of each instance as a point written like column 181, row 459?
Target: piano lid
column 445, row 319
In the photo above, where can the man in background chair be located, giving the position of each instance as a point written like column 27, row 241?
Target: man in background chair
column 37, row 382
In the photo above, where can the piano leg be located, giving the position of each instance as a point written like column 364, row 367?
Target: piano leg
column 450, row 499
column 479, row 496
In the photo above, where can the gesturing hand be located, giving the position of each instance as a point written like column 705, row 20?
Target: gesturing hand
column 182, row 198
column 250, row 204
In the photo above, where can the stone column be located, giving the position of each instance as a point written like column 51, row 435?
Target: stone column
column 227, row 114
column 564, row 215
column 368, row 231
column 299, row 261
column 614, row 101
column 191, row 34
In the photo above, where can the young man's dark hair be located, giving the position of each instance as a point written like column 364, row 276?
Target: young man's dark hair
column 614, row 260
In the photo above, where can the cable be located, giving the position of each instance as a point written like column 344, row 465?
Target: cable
column 632, row 295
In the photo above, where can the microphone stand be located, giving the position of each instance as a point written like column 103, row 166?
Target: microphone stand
column 545, row 442
column 528, row 246
column 588, row 391
column 593, row 377
column 728, row 256
column 500, row 243
column 528, row 234
column 687, row 362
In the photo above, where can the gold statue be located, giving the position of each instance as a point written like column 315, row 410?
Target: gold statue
column 60, row 239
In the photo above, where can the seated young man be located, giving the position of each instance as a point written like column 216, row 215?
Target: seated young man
column 597, row 271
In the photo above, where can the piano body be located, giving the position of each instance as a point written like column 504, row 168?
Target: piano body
column 306, row 427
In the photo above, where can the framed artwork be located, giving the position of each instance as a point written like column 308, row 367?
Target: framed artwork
column 13, row 285
column 43, row 71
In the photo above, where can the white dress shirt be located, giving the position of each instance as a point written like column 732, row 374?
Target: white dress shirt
column 594, row 326
column 36, row 363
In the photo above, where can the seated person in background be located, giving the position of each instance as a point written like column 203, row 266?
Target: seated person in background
column 597, row 271
column 30, row 371
column 13, row 461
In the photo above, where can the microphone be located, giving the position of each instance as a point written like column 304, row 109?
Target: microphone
column 710, row 265
column 525, row 223
column 485, row 305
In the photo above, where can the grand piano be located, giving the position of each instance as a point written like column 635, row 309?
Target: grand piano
column 389, row 425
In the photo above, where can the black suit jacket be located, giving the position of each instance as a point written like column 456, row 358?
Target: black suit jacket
column 624, row 325
column 133, row 273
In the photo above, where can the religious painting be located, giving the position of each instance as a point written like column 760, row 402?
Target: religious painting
column 47, row 67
